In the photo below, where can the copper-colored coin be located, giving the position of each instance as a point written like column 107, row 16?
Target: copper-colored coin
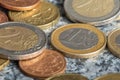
column 3, row 17
column 47, row 64
column 20, row 5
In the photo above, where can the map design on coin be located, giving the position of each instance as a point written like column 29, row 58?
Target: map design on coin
column 93, row 8
column 78, row 38
column 17, row 38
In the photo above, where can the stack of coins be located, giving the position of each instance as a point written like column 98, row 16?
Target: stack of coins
column 95, row 12
column 39, row 13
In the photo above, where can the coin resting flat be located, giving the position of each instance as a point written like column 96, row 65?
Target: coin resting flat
column 19, row 5
column 78, row 40
column 20, row 41
column 68, row 77
column 113, row 76
column 45, row 16
column 47, row 64
column 3, row 17
column 114, row 42
column 95, row 12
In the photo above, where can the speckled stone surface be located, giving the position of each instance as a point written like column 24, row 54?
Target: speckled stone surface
column 91, row 68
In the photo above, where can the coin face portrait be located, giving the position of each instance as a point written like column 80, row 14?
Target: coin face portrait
column 93, row 8
column 78, row 38
column 17, row 38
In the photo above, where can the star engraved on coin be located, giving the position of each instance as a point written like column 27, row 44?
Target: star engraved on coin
column 17, row 38
column 78, row 38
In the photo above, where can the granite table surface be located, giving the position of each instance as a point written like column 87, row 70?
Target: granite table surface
column 103, row 64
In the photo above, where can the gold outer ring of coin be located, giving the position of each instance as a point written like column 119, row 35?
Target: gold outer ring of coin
column 68, row 74
column 109, row 75
column 92, row 52
column 114, row 49
column 46, row 26
column 41, row 58
column 20, row 8
column 3, row 63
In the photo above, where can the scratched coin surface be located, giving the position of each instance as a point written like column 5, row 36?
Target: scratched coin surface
column 19, row 5
column 78, row 40
column 47, row 64
column 21, row 41
column 68, row 77
column 3, row 17
column 43, row 16
column 3, row 63
column 95, row 12
column 114, row 42
column 113, row 76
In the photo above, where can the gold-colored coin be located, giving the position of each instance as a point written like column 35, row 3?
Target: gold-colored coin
column 67, row 77
column 78, row 40
column 114, row 42
column 114, row 76
column 17, row 38
column 44, row 16
column 3, row 63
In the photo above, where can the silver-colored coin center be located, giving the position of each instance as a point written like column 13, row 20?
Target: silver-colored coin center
column 78, row 38
column 117, row 40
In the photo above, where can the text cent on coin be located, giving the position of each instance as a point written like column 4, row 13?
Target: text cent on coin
column 19, row 5
column 78, row 40
column 113, row 76
column 95, row 12
column 45, row 16
column 20, row 41
column 114, row 42
column 68, row 77
column 47, row 64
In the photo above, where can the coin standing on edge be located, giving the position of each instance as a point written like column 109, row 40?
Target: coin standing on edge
column 45, row 16
column 79, row 40
column 95, row 12
column 114, row 42
column 112, row 76
column 19, row 5
column 67, row 77
column 19, row 41
column 47, row 64
column 3, row 63
column 3, row 17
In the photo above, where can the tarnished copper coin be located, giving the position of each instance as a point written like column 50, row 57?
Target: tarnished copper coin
column 47, row 64
column 19, row 5
column 3, row 17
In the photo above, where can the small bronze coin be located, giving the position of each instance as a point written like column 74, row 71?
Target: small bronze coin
column 19, row 5
column 68, row 77
column 3, row 17
column 47, row 64
column 113, row 76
